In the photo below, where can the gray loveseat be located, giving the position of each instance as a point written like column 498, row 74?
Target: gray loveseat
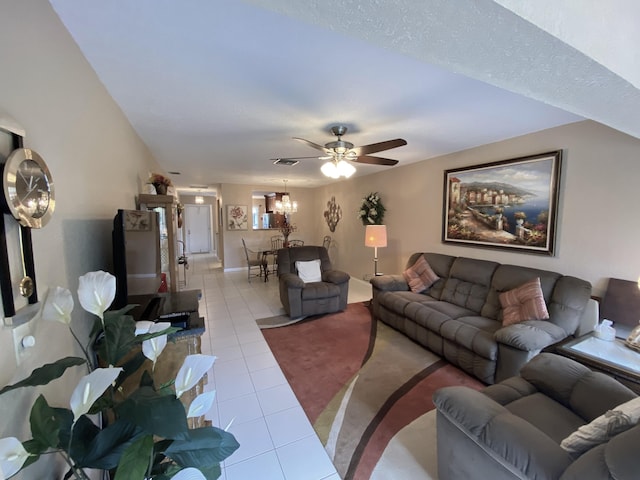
column 513, row 430
column 460, row 317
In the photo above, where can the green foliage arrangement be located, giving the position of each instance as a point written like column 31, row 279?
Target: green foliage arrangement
column 145, row 434
column 372, row 210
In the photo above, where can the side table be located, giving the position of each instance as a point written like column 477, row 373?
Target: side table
column 611, row 357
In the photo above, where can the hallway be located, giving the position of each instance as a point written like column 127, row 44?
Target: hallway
column 277, row 442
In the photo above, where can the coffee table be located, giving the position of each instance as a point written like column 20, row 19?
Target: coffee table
column 611, row 357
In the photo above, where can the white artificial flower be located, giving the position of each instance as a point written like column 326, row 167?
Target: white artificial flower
column 153, row 347
column 58, row 306
column 191, row 371
column 143, row 326
column 201, row 404
column 96, row 291
column 90, row 388
column 189, row 474
column 12, row 456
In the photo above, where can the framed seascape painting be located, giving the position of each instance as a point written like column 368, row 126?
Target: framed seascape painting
column 237, row 218
column 511, row 204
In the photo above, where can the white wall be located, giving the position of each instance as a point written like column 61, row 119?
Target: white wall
column 598, row 228
column 97, row 162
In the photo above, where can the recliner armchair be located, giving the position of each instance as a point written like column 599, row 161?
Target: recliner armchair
column 301, row 299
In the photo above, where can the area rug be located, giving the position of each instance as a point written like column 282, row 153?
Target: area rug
column 366, row 388
column 277, row 321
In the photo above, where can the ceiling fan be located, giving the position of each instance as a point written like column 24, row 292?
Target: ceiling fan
column 339, row 151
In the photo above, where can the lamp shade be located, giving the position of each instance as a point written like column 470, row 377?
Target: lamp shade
column 375, row 236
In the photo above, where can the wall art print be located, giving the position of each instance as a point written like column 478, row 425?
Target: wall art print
column 510, row 204
column 237, row 217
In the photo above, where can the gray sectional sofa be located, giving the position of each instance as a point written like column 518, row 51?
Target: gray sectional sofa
column 515, row 429
column 460, row 317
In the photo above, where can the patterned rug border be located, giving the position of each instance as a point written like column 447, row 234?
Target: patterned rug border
column 284, row 320
column 277, row 321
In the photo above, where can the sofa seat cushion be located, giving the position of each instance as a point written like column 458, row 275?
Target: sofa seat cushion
column 426, row 317
column 547, row 415
column 448, row 309
column 318, row 290
column 474, row 333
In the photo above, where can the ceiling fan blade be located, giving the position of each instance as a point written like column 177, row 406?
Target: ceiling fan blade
column 314, row 145
column 300, row 158
column 375, row 160
column 379, row 147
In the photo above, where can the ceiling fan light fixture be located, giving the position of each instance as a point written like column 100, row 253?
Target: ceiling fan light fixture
column 338, row 169
column 345, row 169
column 330, row 170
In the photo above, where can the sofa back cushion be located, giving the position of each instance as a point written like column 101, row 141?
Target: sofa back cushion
column 287, row 258
column 568, row 302
column 508, row 277
column 469, row 283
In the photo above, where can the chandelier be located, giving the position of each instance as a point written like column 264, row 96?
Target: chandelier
column 286, row 205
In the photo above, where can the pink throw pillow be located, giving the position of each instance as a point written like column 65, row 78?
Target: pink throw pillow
column 420, row 276
column 525, row 302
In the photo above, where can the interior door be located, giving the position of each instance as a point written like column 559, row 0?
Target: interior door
column 197, row 223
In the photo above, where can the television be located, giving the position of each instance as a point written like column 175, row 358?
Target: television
column 136, row 254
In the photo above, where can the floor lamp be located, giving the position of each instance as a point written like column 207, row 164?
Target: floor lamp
column 375, row 236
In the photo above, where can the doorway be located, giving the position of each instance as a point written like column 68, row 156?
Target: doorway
column 197, row 228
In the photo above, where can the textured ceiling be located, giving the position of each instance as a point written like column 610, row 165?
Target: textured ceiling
column 218, row 88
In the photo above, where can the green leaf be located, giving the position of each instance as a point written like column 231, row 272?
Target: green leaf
column 147, row 336
column 33, row 458
column 84, row 431
column 64, row 417
column 202, row 448
column 211, row 472
column 106, row 448
column 130, row 367
column 161, row 415
column 135, row 460
column 45, row 425
column 119, row 337
column 46, row 373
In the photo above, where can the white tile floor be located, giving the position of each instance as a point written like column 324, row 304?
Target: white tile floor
column 277, row 442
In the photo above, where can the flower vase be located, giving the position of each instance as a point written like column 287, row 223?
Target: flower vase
column 161, row 188
column 285, row 243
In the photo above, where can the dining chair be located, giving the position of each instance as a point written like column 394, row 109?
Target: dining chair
column 277, row 242
column 296, row 243
column 258, row 261
column 326, row 241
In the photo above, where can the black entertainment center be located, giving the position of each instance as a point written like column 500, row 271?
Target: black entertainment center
column 136, row 241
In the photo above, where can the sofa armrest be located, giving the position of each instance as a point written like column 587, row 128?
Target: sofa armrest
column 291, row 280
column 532, row 335
column 335, row 276
column 390, row 283
column 508, row 439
